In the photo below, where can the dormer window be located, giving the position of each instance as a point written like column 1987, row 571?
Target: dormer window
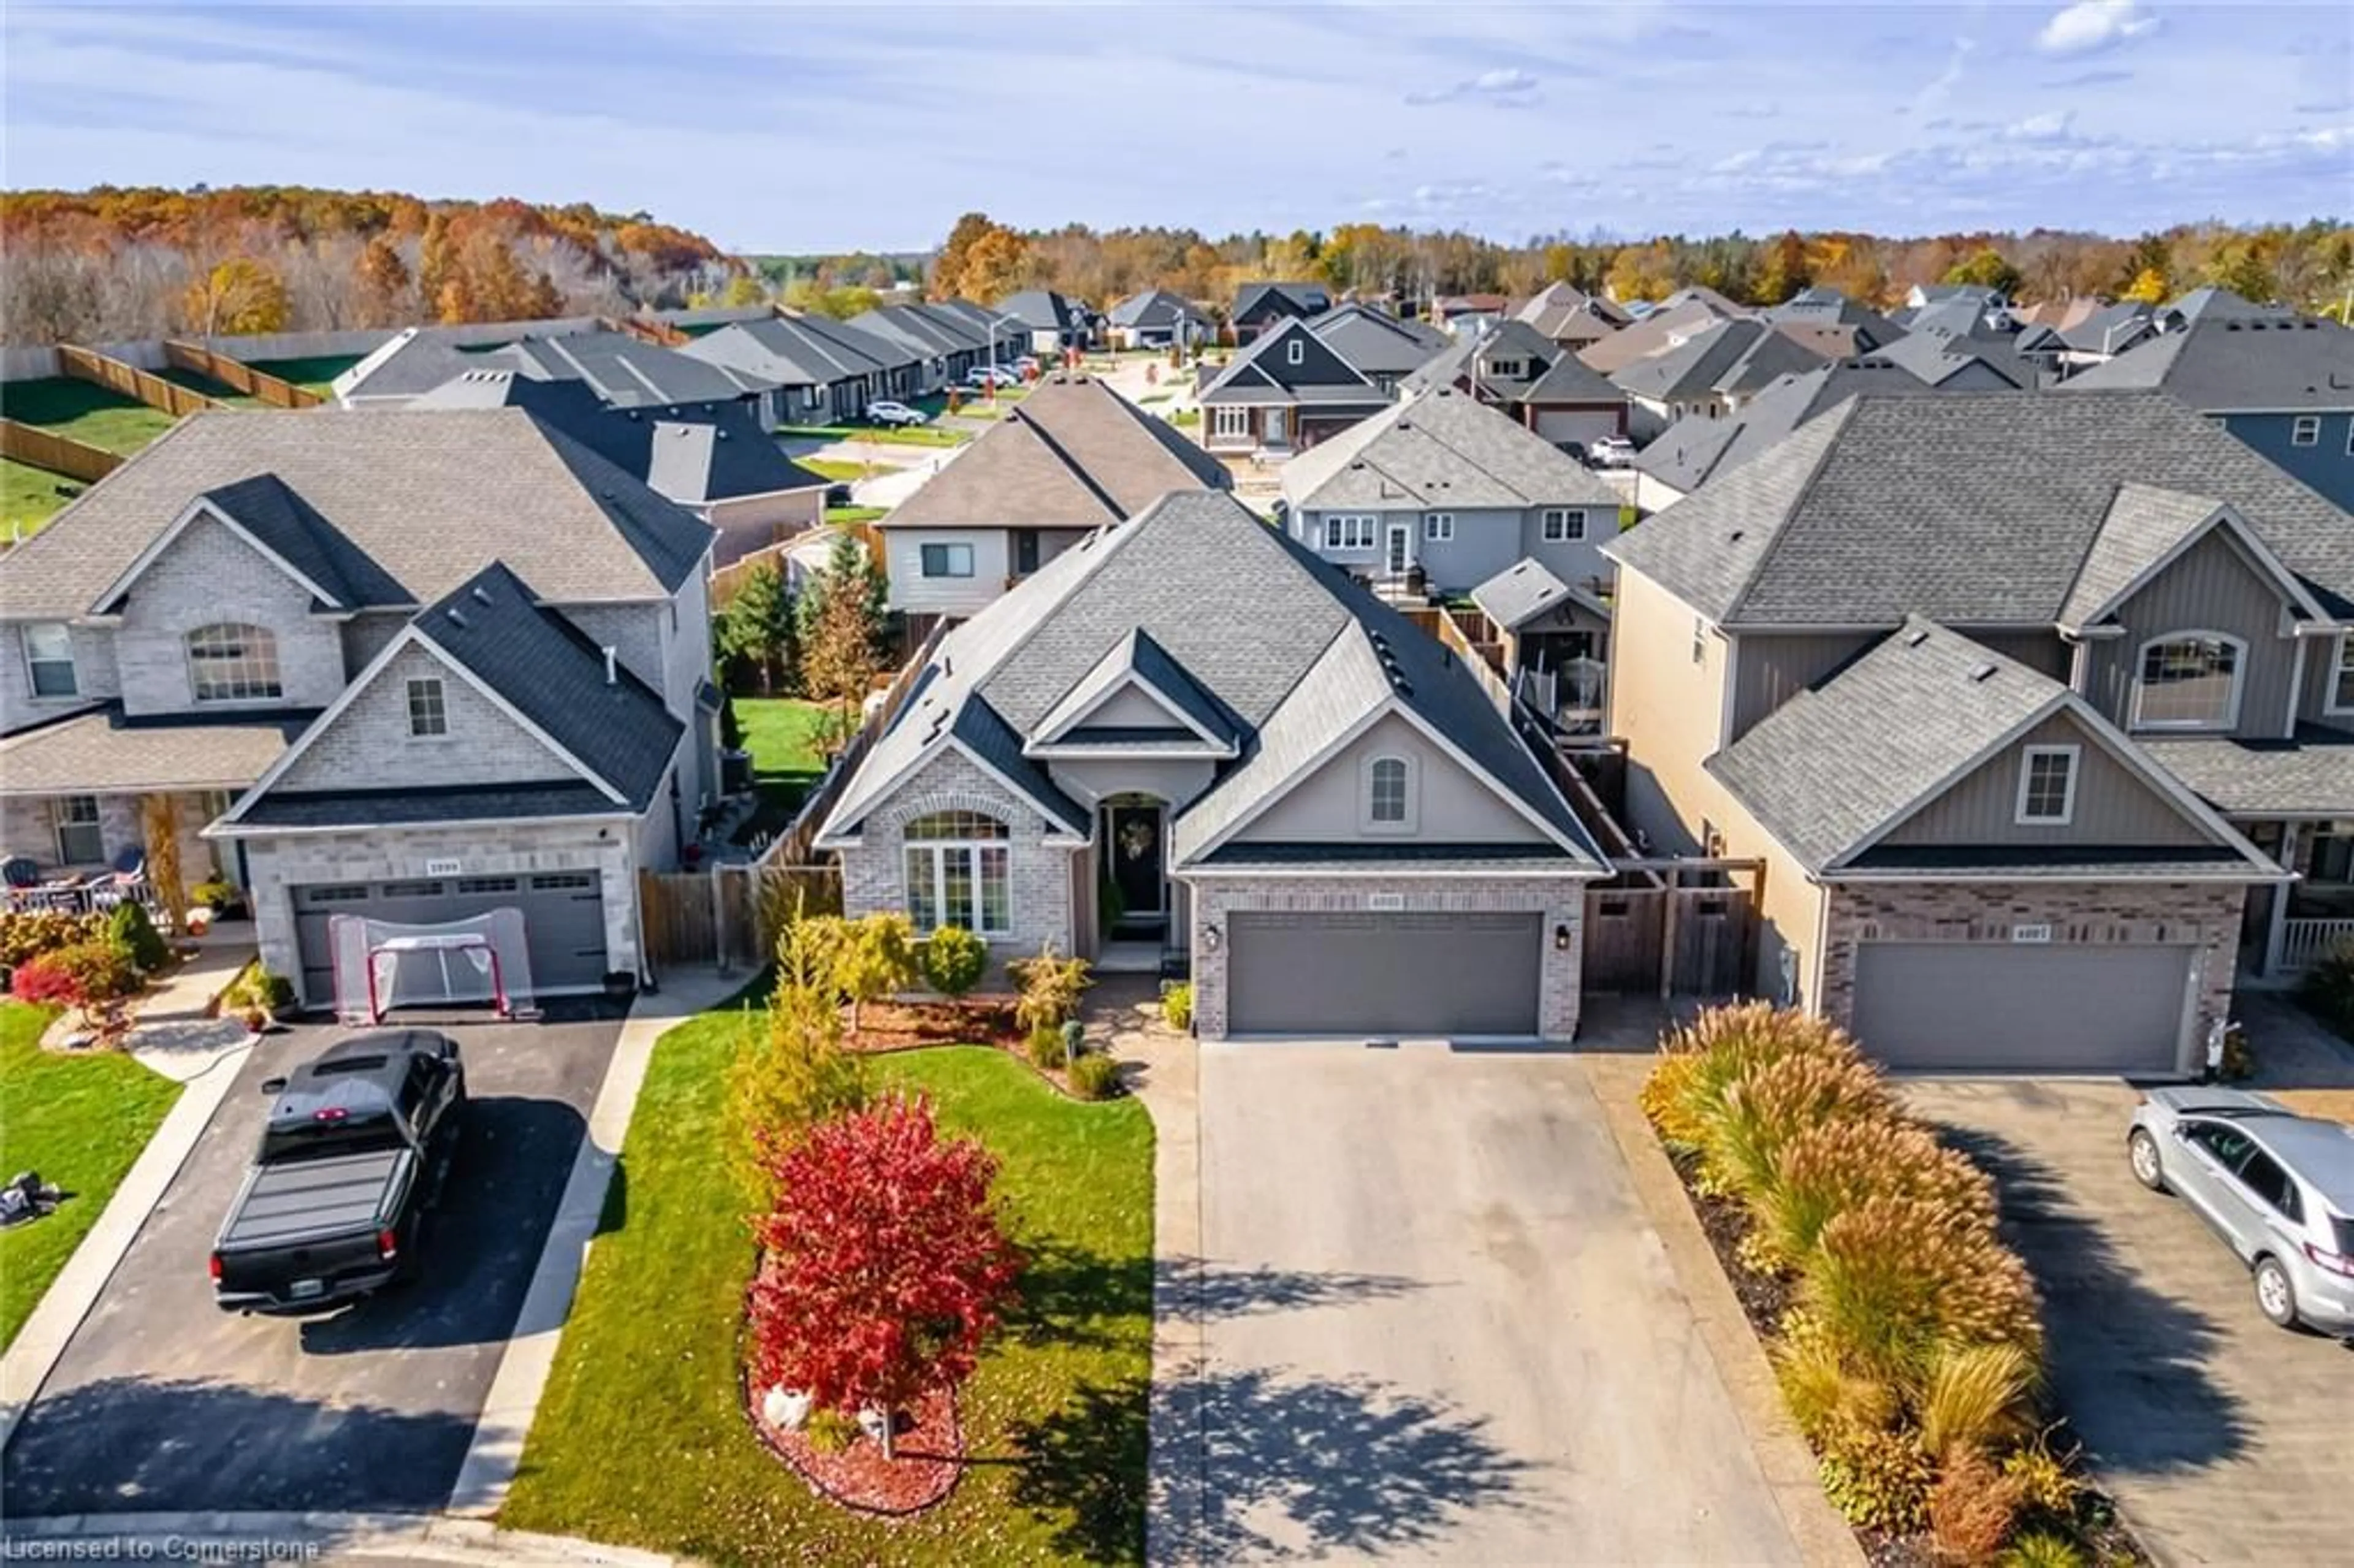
column 2047, row 787
column 49, row 660
column 1390, row 805
column 2189, row 680
column 233, row 662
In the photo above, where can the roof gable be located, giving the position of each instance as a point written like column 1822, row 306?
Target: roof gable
column 282, row 529
column 1270, row 358
column 1137, row 664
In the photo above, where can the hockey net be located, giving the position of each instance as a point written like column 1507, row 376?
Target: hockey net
column 381, row 965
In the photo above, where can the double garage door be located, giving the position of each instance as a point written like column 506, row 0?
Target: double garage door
column 563, row 914
column 2022, row 1007
column 1382, row 975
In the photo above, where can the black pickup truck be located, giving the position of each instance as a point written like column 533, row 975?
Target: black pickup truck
column 354, row 1154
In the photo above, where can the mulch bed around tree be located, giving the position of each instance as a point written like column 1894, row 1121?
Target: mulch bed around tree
column 915, row 1025
column 930, row 1449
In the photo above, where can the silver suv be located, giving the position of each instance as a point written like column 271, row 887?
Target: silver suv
column 2277, row 1185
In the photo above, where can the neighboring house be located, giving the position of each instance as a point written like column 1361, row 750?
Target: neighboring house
column 1976, row 297
column 1662, row 327
column 1440, row 494
column 717, row 461
column 2103, row 336
column 1298, row 800
column 1155, row 318
column 1381, row 348
column 415, row 667
column 2031, row 704
column 1711, row 372
column 823, row 371
column 1283, row 394
column 1260, row 307
column 1554, row 639
column 1959, row 363
column 1048, row 323
column 624, row 372
column 1831, row 324
column 1072, row 457
column 949, row 343
column 2282, row 383
column 1703, row 446
column 1515, row 367
column 1569, row 317
column 1469, row 312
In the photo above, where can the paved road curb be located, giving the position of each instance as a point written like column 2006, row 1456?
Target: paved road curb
column 1783, row 1456
column 33, row 1353
column 516, row 1389
column 1175, row 1479
column 334, row 1536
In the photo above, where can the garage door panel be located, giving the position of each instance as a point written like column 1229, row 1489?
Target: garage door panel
column 1382, row 974
column 563, row 921
column 2016, row 1007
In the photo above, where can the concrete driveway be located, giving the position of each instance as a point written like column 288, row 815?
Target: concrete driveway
column 1438, row 1327
column 2222, row 1438
column 162, row 1403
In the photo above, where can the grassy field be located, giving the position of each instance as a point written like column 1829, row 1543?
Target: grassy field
column 314, row 372
column 82, row 412
column 642, row 1438
column 81, row 1121
column 28, row 497
column 881, row 435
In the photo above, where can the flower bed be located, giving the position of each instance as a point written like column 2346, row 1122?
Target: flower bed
column 1906, row 1336
column 931, row 1443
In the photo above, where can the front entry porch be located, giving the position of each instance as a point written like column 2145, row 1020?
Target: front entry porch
column 2291, row 927
column 1137, row 925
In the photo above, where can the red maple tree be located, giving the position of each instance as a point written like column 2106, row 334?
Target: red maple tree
column 885, row 1264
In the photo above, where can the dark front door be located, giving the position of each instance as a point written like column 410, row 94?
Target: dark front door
column 1025, row 551
column 1132, row 839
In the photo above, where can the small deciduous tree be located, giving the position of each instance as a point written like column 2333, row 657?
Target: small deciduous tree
column 238, row 297
column 1051, row 986
column 1987, row 269
column 870, row 958
column 838, row 652
column 792, row 1073
column 885, row 1263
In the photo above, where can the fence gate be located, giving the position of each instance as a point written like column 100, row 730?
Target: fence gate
column 1659, row 937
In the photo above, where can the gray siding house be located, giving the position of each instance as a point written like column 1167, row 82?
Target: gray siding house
column 2040, row 710
column 1286, row 392
column 409, row 665
column 1440, row 493
column 1186, row 744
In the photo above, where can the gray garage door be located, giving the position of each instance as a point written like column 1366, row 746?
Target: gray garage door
column 1382, row 975
column 2008, row 1007
column 563, row 911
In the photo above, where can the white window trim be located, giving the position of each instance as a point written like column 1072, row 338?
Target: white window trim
column 2305, row 430
column 947, row 557
column 1229, row 422
column 1412, row 821
column 1559, row 517
column 2020, row 816
column 2230, row 719
column 935, row 850
column 266, row 637
column 2337, row 665
column 441, row 697
column 74, row 666
column 1295, row 353
column 1438, row 525
column 1352, row 531
column 58, row 823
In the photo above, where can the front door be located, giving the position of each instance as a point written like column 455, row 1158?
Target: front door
column 1132, row 838
column 1401, row 546
column 1278, row 428
column 1025, row 551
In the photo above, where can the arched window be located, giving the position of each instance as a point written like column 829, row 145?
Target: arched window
column 1389, row 795
column 233, row 664
column 957, row 865
column 2188, row 680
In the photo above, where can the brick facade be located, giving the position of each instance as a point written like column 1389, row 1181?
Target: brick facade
column 873, row 873
column 368, row 746
column 2204, row 915
column 209, row 577
column 1562, row 901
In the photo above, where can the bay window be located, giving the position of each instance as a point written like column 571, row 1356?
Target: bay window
column 959, row 873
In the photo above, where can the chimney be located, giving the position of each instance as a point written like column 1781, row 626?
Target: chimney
column 612, row 676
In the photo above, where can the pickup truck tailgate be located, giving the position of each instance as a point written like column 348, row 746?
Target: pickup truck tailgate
column 335, row 1195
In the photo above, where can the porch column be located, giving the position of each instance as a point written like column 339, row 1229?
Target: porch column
column 2279, row 928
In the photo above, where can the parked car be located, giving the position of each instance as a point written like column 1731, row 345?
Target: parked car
column 2278, row 1187
column 886, row 411
column 1026, row 365
column 354, row 1155
column 1611, row 452
column 984, row 375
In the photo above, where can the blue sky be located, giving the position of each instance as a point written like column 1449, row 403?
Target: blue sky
column 814, row 128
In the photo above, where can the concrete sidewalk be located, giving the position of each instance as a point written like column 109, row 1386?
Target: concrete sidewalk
column 506, row 1419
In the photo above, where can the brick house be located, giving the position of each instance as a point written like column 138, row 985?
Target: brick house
column 413, row 665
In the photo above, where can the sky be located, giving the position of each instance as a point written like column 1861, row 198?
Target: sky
column 827, row 128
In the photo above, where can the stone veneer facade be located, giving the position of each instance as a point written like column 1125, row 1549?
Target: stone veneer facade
column 873, row 874
column 2204, row 915
column 1562, row 901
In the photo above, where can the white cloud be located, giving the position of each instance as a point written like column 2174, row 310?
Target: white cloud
column 2051, row 126
column 2090, row 25
column 1507, row 87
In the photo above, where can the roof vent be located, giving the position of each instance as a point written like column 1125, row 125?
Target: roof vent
column 1917, row 639
column 1982, row 672
column 612, row 672
column 482, row 594
column 455, row 618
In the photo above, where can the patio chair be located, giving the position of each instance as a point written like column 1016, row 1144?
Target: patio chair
column 21, row 874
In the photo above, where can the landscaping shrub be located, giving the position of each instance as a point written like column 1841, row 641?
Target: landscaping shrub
column 101, row 970
column 2045, row 1484
column 2327, row 988
column 1051, row 987
column 1971, row 1508
column 1977, row 1396
column 45, row 982
column 953, row 960
column 1045, row 1047
column 1828, row 1168
column 867, row 958
column 1826, row 1397
column 1894, row 1278
column 222, row 899
column 1095, row 1077
column 1177, row 1004
column 1758, row 1113
column 791, row 1072
column 129, row 929
column 26, row 936
column 1718, row 1047
column 2044, row 1549
column 1879, row 1479
column 831, row 1431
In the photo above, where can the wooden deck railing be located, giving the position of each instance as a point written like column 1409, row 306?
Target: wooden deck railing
column 235, row 374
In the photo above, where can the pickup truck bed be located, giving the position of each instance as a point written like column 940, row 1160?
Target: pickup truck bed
column 336, row 1194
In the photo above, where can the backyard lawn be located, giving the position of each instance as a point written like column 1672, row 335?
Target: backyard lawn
column 315, row 372
column 782, row 734
column 80, row 1121
column 642, row 1437
column 83, row 412
column 28, row 497
column 834, row 469
column 835, row 516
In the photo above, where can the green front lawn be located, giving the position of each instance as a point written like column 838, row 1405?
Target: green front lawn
column 834, row 469
column 881, row 435
column 81, row 1121
column 28, row 497
column 84, row 412
column 642, row 1438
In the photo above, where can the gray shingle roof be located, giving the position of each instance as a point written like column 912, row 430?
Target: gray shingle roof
column 2145, row 524
column 1440, row 448
column 99, row 751
column 800, row 351
column 414, row 360
column 549, row 671
column 1699, row 365
column 1262, row 372
column 627, row 371
column 2310, row 776
column 1936, row 357
column 1139, row 657
column 1973, row 508
column 1256, row 300
column 1156, row 308
column 430, row 497
column 1524, row 591
column 1701, row 447
column 403, row 808
column 924, row 328
column 291, row 528
column 1656, row 332
column 1043, row 310
column 1375, row 342
column 2223, row 363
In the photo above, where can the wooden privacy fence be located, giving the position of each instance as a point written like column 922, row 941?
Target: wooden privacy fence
column 59, row 454
column 259, row 385
column 729, row 915
column 793, row 843
column 87, row 365
column 1631, row 932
